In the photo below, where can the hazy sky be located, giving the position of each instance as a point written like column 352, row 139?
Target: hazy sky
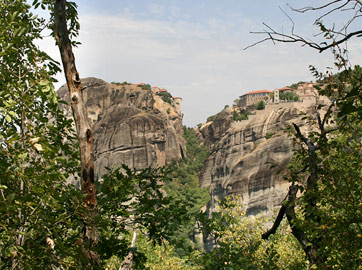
column 194, row 48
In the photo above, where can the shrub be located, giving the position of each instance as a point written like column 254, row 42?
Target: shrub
column 268, row 135
column 118, row 83
column 260, row 105
column 211, row 118
column 241, row 116
column 166, row 97
column 146, row 87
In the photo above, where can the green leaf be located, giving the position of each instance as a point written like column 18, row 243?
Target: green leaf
column 8, row 118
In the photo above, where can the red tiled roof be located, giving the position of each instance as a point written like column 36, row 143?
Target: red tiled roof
column 285, row 88
column 154, row 86
column 163, row 90
column 259, row 91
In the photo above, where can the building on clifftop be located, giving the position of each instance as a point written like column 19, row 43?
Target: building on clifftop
column 253, row 97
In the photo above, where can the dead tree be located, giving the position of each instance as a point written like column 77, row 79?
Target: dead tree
column 84, row 132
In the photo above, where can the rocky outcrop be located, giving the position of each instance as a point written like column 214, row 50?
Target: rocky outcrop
column 241, row 158
column 131, row 125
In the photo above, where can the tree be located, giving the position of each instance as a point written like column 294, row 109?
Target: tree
column 84, row 132
column 47, row 222
column 326, row 218
column 185, row 187
column 238, row 243
column 38, row 152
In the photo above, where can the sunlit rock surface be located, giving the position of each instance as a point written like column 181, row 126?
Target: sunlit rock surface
column 242, row 154
column 131, row 125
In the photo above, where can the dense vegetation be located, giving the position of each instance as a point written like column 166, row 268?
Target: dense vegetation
column 166, row 96
column 185, row 186
column 290, row 96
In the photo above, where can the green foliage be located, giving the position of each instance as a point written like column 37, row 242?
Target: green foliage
column 166, row 96
column 185, row 186
column 123, row 83
column 240, row 116
column 211, row 118
column 295, row 85
column 38, row 152
column 331, row 210
column 260, row 105
column 156, row 257
column 291, row 96
column 134, row 198
column 146, row 87
column 168, row 111
column 238, row 243
column 236, row 102
column 268, row 135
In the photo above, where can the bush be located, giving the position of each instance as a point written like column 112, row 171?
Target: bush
column 260, row 105
column 268, row 135
column 146, row 87
column 118, row 83
column 241, row 116
column 166, row 97
column 211, row 118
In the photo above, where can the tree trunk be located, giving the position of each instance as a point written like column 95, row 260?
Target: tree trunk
column 128, row 261
column 85, row 135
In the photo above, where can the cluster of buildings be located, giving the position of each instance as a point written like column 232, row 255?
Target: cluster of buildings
column 304, row 91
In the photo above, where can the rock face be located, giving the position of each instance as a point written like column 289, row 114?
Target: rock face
column 242, row 154
column 131, row 125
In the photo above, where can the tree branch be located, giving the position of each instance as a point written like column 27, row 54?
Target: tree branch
column 276, row 224
column 275, row 36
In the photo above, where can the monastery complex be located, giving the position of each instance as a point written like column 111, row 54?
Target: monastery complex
column 304, row 91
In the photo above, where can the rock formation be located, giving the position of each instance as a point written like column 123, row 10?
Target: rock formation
column 242, row 154
column 131, row 125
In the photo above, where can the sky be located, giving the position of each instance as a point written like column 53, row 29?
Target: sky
column 194, row 48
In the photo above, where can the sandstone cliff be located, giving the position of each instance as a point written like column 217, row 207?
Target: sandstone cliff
column 242, row 154
column 131, row 125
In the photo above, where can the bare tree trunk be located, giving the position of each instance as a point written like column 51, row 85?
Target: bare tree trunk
column 85, row 135
column 128, row 261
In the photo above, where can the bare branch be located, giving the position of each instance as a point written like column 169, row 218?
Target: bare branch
column 337, row 37
column 289, row 19
column 309, row 8
column 331, row 11
column 328, row 113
